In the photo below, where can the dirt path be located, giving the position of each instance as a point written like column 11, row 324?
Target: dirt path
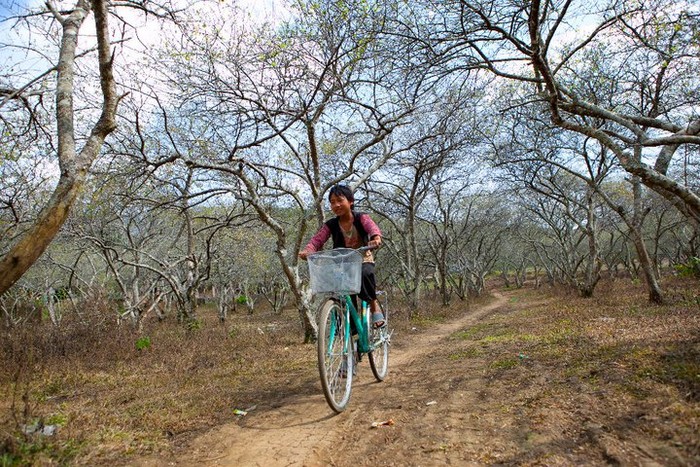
column 303, row 431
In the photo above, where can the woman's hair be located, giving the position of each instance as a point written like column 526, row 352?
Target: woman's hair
column 344, row 191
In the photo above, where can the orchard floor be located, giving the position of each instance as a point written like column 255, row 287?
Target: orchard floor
column 524, row 378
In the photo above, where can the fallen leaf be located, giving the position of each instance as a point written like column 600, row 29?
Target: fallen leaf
column 384, row 423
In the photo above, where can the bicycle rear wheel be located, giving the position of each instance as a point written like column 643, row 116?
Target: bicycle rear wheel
column 379, row 355
column 335, row 362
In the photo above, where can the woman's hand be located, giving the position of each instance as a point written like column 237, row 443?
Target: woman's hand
column 303, row 254
column 375, row 242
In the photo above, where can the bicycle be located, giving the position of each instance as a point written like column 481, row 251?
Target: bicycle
column 337, row 275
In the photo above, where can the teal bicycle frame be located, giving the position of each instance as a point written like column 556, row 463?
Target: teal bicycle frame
column 339, row 350
column 363, row 345
column 360, row 324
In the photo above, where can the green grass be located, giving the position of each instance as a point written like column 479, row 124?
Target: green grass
column 504, row 364
column 466, row 354
column 427, row 320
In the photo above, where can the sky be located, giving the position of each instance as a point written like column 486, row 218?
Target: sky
column 9, row 7
column 263, row 9
column 273, row 11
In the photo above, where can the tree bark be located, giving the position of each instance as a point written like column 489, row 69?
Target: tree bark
column 593, row 263
column 655, row 294
column 73, row 165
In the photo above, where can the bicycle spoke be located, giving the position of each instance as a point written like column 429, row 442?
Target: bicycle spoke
column 333, row 353
column 379, row 355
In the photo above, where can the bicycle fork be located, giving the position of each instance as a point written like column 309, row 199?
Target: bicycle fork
column 360, row 325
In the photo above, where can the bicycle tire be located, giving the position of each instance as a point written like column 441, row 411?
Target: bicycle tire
column 379, row 355
column 334, row 350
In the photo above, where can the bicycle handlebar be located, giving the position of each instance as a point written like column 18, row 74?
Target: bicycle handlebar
column 360, row 250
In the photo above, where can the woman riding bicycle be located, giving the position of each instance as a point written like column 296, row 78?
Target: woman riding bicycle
column 351, row 229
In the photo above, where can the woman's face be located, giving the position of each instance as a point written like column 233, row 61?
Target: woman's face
column 340, row 205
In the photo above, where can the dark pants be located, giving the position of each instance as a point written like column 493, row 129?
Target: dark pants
column 368, row 290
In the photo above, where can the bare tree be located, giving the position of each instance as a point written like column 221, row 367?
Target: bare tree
column 449, row 198
column 399, row 200
column 286, row 115
column 403, row 194
column 73, row 163
column 544, row 160
column 126, row 233
column 622, row 81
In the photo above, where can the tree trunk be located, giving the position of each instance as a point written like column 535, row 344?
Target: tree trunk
column 291, row 272
column 33, row 243
column 655, row 294
column 537, row 276
column 73, row 166
column 506, row 280
column 593, row 263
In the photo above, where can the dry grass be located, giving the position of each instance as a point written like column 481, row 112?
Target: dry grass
column 111, row 400
column 610, row 366
column 623, row 360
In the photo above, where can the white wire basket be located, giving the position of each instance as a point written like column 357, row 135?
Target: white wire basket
column 338, row 270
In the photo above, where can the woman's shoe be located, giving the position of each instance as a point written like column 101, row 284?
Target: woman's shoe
column 378, row 319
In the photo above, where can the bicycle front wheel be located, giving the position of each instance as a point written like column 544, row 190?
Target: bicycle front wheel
column 379, row 355
column 335, row 362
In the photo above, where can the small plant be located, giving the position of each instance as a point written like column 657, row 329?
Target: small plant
column 505, row 336
column 194, row 325
column 26, row 452
column 473, row 332
column 242, row 299
column 57, row 419
column 427, row 320
column 689, row 269
column 143, row 343
column 504, row 364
